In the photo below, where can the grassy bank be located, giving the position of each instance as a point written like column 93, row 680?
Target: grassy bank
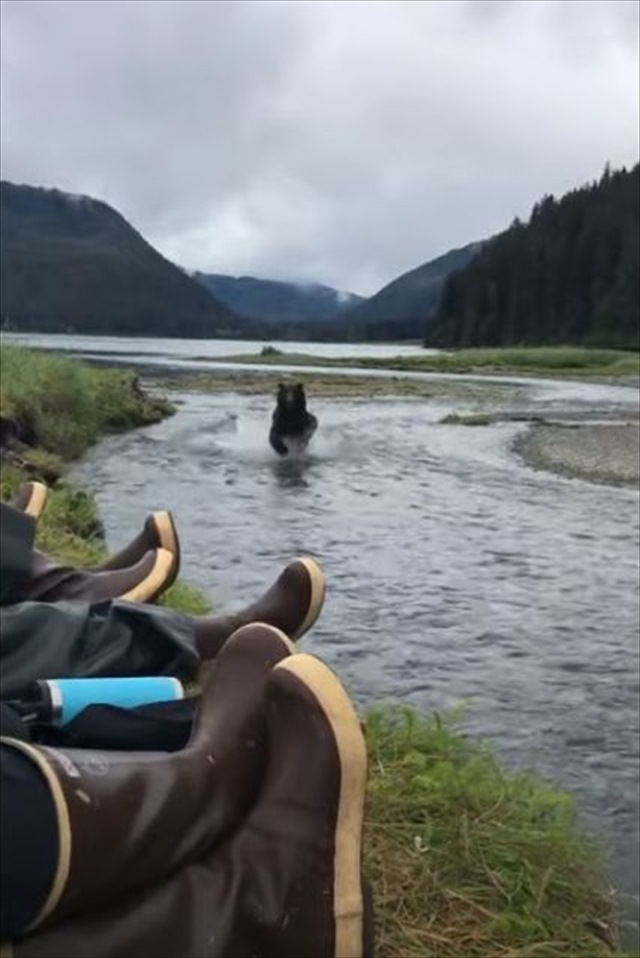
column 63, row 406
column 465, row 858
column 569, row 361
column 468, row 860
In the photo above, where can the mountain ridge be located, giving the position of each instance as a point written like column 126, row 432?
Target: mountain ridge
column 72, row 263
column 276, row 301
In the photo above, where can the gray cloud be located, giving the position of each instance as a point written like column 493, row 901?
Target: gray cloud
column 343, row 141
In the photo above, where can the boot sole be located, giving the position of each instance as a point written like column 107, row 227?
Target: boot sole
column 168, row 539
column 63, row 864
column 166, row 532
column 318, row 592
column 36, row 501
column 161, row 576
column 348, row 893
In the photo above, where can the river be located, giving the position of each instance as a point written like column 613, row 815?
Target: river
column 456, row 574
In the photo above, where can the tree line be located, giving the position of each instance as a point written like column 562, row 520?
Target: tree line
column 569, row 275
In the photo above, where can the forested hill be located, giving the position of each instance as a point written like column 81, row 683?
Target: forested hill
column 570, row 275
column 73, row 263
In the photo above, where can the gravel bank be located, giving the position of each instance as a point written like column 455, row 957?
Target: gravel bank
column 602, row 452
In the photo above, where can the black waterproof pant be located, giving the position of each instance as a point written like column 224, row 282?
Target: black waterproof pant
column 28, row 838
column 44, row 640
column 28, row 822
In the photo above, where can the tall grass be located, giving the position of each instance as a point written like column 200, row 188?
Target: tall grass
column 469, row 860
column 51, row 397
column 63, row 405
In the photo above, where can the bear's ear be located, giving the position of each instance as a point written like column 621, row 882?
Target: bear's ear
column 299, row 388
column 281, row 389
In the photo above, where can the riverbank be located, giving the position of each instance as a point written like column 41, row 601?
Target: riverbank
column 60, row 408
column 465, row 858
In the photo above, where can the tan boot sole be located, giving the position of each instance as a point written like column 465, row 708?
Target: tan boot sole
column 161, row 576
column 166, row 532
column 318, row 592
column 63, row 864
column 348, row 899
column 37, row 499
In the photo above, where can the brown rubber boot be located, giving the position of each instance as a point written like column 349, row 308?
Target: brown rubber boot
column 286, row 884
column 128, row 820
column 31, row 498
column 49, row 581
column 292, row 604
column 159, row 532
column 302, row 845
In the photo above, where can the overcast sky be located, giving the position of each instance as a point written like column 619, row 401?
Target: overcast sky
column 342, row 141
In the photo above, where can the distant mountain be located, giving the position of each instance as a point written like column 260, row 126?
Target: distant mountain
column 72, row 263
column 277, row 302
column 400, row 309
column 570, row 275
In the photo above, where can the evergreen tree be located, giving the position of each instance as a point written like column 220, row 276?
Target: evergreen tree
column 570, row 275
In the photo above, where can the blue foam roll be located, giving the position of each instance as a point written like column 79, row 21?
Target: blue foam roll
column 68, row 697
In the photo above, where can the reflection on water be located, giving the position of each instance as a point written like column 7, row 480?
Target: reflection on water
column 290, row 472
column 455, row 573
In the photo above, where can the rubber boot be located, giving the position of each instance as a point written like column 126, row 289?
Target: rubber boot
column 159, row 532
column 292, row 604
column 31, row 498
column 128, row 820
column 49, row 581
column 288, row 883
column 301, row 848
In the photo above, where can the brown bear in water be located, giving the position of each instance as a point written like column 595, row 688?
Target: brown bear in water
column 292, row 426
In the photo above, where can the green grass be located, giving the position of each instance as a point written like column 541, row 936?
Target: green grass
column 533, row 360
column 469, row 860
column 66, row 404
column 185, row 598
column 271, row 351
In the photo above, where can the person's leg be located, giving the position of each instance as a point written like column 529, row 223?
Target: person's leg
column 80, row 640
column 28, row 839
column 77, row 639
column 52, row 581
column 158, row 532
column 293, row 604
column 17, row 535
column 139, row 573
column 31, row 498
column 287, row 881
column 125, row 821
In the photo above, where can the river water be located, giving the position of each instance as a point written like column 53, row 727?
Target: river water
column 456, row 573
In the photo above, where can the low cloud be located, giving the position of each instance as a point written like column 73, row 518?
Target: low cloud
column 338, row 142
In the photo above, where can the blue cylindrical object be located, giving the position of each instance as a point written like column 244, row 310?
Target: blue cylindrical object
column 68, row 697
